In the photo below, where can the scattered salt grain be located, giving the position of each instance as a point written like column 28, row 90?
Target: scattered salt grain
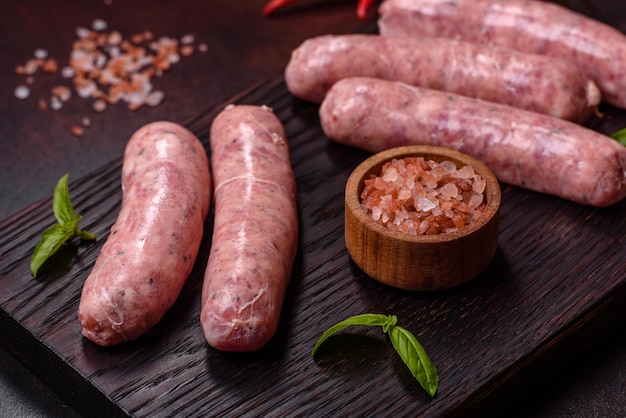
column 82, row 32
column 99, row 105
column 187, row 39
column 99, row 25
column 31, row 66
column 22, row 92
column 41, row 53
column 62, row 92
column 78, row 131
column 55, row 103
column 68, row 72
column 106, row 68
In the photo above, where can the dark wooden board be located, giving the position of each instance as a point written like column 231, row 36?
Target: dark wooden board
column 557, row 282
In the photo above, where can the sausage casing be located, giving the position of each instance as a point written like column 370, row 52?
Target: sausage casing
column 539, row 27
column 527, row 81
column 256, row 229
column 154, row 241
column 522, row 148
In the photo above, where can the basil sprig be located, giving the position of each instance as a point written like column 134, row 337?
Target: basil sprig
column 405, row 343
column 66, row 228
column 620, row 136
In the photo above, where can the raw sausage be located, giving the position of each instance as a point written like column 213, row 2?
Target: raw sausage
column 522, row 148
column 256, row 229
column 539, row 27
column 527, row 81
column 154, row 242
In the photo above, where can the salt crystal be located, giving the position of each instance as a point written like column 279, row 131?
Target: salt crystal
column 475, row 201
column 67, row 72
column 376, row 212
column 55, row 103
column 86, row 89
column 99, row 105
column 430, row 181
column 449, row 190
column 155, row 98
column 77, row 131
column 41, row 53
column 446, row 205
column 465, row 172
column 404, row 194
column 62, row 92
column 115, row 38
column 186, row 50
column 449, row 165
column 82, row 32
column 187, row 39
column 391, row 175
column 385, row 201
column 424, row 204
column 423, row 227
column 99, row 25
column 173, row 57
column 100, row 60
column 479, row 185
column 22, row 92
column 31, row 66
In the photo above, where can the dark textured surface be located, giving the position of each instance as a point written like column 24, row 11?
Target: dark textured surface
column 539, row 334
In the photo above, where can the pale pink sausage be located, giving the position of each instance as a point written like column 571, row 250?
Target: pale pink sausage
column 154, row 242
column 522, row 148
column 539, row 27
column 527, row 81
column 256, row 229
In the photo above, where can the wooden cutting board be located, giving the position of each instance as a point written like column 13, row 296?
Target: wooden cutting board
column 558, row 281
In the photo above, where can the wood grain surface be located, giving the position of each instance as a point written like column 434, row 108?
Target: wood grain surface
column 558, row 277
column 555, row 288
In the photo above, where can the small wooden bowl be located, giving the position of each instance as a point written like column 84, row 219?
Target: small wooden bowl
column 420, row 262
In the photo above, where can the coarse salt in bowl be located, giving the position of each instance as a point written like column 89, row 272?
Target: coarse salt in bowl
column 418, row 232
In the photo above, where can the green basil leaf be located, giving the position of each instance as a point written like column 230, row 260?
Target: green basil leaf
column 51, row 240
column 65, row 229
column 364, row 319
column 61, row 202
column 620, row 136
column 416, row 358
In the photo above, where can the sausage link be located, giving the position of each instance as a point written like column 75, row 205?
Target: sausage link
column 532, row 26
column 154, row 242
column 256, row 229
column 522, row 148
column 527, row 81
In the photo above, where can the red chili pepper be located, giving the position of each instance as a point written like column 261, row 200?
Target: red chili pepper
column 361, row 9
column 276, row 4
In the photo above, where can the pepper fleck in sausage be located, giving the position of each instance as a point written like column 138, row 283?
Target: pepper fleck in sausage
column 526, row 81
column 154, row 242
column 256, row 229
column 539, row 27
column 522, row 148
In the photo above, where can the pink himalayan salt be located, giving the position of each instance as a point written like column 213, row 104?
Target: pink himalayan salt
column 424, row 197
